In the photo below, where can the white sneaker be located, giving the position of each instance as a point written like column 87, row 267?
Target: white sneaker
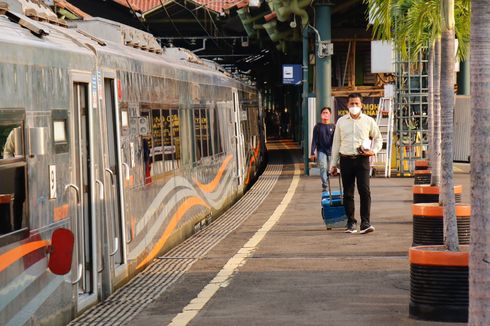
column 367, row 230
column 351, row 228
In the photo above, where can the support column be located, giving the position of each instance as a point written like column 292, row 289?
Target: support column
column 464, row 78
column 304, row 107
column 323, row 65
column 298, row 114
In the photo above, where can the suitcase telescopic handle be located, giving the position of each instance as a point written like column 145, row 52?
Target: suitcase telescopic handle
column 330, row 189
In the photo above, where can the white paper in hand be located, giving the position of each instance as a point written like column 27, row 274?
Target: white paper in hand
column 366, row 144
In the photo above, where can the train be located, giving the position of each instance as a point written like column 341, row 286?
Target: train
column 130, row 146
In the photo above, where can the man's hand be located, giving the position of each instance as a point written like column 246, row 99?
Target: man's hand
column 333, row 170
column 367, row 152
column 313, row 158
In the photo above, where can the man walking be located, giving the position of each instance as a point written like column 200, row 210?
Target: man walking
column 321, row 144
column 357, row 137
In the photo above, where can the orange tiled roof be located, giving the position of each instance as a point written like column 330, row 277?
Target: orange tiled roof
column 147, row 5
column 127, row 3
column 216, row 5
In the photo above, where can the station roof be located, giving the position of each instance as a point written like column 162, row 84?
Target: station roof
column 215, row 29
column 146, row 6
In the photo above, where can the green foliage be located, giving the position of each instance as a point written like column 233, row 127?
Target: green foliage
column 382, row 13
column 462, row 15
column 417, row 24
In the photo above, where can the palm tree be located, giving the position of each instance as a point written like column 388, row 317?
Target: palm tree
column 447, row 122
column 423, row 19
column 412, row 25
column 421, row 24
column 435, row 114
column 480, row 166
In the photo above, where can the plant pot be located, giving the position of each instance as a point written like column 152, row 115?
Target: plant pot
column 438, row 284
column 428, row 225
column 430, row 194
column 422, row 177
column 421, row 165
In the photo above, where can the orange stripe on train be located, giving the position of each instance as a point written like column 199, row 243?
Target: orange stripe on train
column 11, row 256
column 210, row 187
column 186, row 205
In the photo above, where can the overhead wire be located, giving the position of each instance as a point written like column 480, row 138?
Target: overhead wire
column 197, row 20
column 171, row 21
column 205, row 30
column 147, row 28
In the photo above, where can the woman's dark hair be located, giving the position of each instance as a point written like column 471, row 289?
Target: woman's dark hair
column 326, row 108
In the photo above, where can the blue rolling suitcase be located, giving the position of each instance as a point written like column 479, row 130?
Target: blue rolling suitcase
column 333, row 211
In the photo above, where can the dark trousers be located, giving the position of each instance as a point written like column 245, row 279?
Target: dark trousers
column 353, row 169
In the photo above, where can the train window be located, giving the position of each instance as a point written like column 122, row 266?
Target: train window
column 11, row 138
column 175, row 123
column 201, row 133
column 223, row 115
column 197, row 135
column 156, row 147
column 13, row 215
column 171, row 136
column 208, row 131
column 60, row 130
column 162, row 144
column 215, row 130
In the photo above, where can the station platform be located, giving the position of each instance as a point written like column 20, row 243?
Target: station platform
column 269, row 260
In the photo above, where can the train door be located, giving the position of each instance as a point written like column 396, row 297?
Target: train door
column 112, row 163
column 238, row 137
column 84, row 224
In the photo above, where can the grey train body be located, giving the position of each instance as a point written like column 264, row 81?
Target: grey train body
column 133, row 149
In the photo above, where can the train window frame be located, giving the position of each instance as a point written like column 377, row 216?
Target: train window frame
column 11, row 117
column 168, row 145
column 157, row 136
column 198, row 138
column 176, row 141
column 16, row 117
column 168, row 115
column 60, row 146
column 216, row 135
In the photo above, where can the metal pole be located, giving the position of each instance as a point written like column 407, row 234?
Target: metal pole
column 464, row 78
column 323, row 65
column 306, row 136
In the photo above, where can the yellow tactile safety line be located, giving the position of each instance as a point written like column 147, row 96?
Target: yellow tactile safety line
column 225, row 275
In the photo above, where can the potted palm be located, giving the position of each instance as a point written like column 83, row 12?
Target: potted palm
column 428, row 224
column 422, row 177
column 439, row 282
column 439, row 274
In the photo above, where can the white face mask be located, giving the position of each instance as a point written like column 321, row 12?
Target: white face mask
column 354, row 110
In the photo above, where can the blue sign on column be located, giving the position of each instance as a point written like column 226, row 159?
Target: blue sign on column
column 291, row 74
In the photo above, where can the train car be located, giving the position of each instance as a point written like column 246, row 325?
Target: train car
column 130, row 146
